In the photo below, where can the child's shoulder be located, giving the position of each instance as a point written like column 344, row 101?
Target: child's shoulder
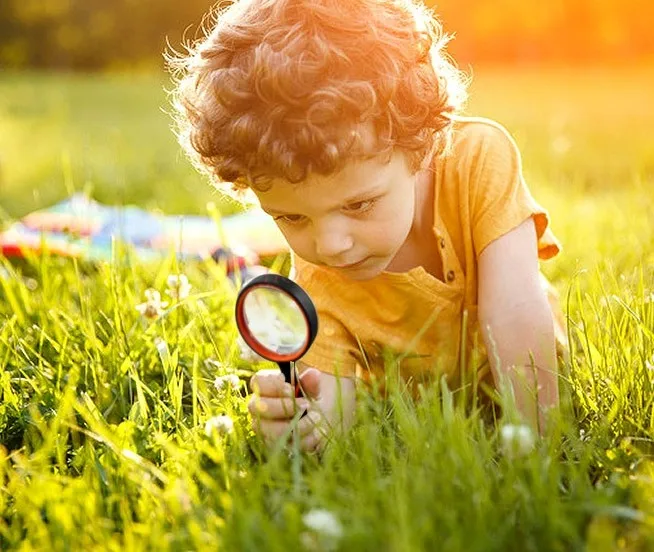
column 479, row 138
column 478, row 131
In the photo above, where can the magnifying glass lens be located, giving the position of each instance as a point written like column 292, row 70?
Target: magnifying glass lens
column 275, row 321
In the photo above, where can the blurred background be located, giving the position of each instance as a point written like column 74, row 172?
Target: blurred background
column 83, row 94
column 101, row 34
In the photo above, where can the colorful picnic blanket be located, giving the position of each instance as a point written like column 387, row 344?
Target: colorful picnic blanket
column 81, row 227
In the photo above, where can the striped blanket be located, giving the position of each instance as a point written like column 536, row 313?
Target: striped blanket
column 81, row 227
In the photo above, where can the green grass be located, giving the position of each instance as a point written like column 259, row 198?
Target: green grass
column 102, row 413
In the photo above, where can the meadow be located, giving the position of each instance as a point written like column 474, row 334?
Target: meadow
column 122, row 433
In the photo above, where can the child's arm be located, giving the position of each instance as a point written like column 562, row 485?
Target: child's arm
column 516, row 322
column 330, row 406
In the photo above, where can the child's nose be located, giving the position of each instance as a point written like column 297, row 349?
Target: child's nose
column 331, row 243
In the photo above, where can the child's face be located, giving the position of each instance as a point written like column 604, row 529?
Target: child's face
column 354, row 221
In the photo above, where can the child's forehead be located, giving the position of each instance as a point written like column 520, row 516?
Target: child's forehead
column 358, row 179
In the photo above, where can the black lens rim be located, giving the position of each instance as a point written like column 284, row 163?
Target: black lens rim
column 297, row 294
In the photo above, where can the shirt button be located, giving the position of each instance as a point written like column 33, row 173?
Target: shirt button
column 450, row 276
column 442, row 243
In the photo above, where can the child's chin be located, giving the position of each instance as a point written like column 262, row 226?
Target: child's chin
column 367, row 273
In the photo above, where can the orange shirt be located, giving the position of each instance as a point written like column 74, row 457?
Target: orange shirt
column 479, row 195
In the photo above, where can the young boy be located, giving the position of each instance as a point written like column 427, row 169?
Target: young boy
column 411, row 227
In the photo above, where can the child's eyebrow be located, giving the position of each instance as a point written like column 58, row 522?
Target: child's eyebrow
column 366, row 194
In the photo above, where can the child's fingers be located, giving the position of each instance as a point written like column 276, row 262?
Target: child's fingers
column 275, row 408
column 312, row 422
column 270, row 383
column 313, row 441
column 270, row 430
column 312, row 430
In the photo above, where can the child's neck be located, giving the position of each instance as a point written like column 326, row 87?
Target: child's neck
column 423, row 219
column 421, row 246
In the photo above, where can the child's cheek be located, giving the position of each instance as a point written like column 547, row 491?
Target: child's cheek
column 300, row 243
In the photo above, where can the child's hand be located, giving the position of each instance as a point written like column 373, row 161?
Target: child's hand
column 329, row 402
column 274, row 405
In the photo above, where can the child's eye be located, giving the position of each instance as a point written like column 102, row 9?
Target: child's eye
column 360, row 206
column 290, row 219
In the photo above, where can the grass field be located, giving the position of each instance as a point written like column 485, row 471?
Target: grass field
column 107, row 420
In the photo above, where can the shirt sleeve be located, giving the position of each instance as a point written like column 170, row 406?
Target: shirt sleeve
column 499, row 197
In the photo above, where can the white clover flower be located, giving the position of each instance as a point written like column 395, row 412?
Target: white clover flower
column 219, row 425
column 324, row 523
column 31, row 284
column 229, row 381
column 649, row 364
column 178, row 286
column 153, row 307
column 517, row 440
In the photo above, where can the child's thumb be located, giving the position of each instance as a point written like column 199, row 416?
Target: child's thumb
column 310, row 383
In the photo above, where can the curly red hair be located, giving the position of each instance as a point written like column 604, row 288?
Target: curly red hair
column 281, row 88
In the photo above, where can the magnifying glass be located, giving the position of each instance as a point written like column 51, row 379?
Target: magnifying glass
column 277, row 320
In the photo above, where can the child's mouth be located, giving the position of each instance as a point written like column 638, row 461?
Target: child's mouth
column 352, row 265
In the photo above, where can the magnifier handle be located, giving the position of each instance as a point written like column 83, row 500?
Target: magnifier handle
column 287, row 369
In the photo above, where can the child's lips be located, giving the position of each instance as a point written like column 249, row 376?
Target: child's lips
column 352, row 265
